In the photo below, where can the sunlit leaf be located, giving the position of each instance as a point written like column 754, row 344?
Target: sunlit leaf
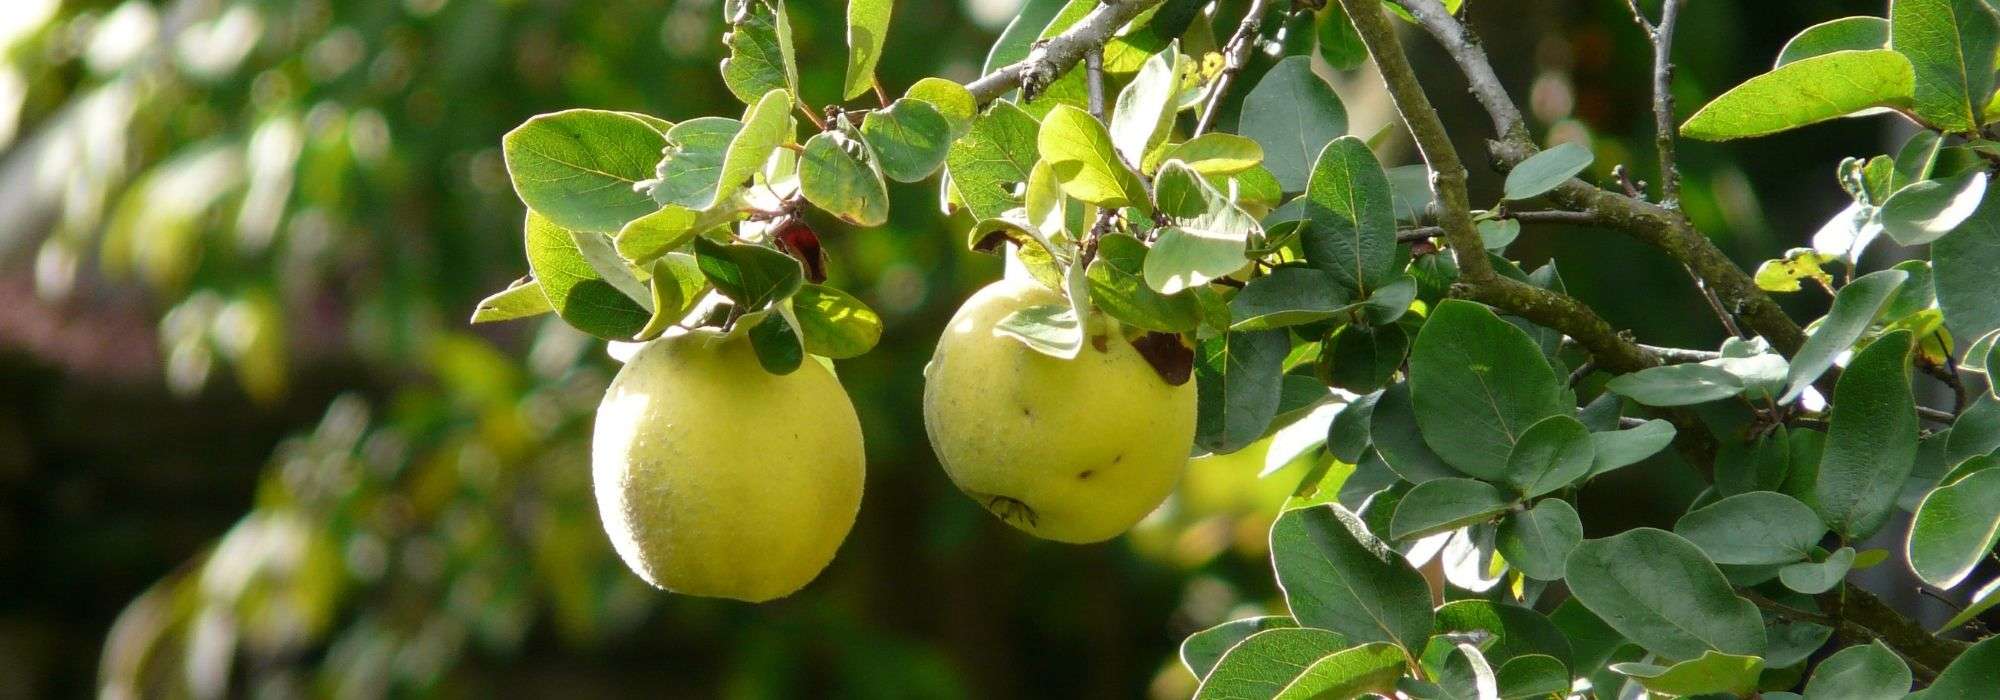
column 1951, row 45
column 838, row 174
column 867, row 29
column 1853, row 309
column 1086, row 163
column 522, row 299
column 578, row 167
column 1805, row 92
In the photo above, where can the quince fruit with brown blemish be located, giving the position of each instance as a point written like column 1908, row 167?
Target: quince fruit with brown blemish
column 1071, row 450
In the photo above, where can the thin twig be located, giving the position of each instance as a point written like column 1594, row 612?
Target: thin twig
column 1715, row 304
column 1551, row 216
column 1639, row 16
column 1936, row 416
column 1663, row 102
column 1235, row 54
column 1058, row 54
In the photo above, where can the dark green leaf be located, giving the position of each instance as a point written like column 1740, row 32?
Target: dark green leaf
column 1964, row 261
column 1339, row 44
column 1862, row 672
column 1658, row 590
column 1677, row 385
column 1806, row 91
column 1970, row 676
column 1538, row 540
column 1955, row 528
column 1756, row 528
column 574, row 289
column 578, row 167
column 1287, row 296
column 1337, row 576
column 1927, row 210
column 1871, row 439
column 1446, row 504
column 1292, row 113
column 1201, row 650
column 1236, row 382
column 1478, row 383
column 1363, row 359
column 1618, row 448
column 1551, row 454
column 1118, row 287
column 1347, row 436
column 1351, row 226
column 1393, row 429
column 910, row 137
column 776, row 344
column 750, row 275
column 1534, row 675
column 1853, row 309
column 1816, row 577
column 1301, row 663
column 1712, row 672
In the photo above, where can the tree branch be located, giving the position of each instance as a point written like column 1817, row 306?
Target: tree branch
column 1663, row 104
column 1051, row 58
column 1235, row 54
column 1665, row 229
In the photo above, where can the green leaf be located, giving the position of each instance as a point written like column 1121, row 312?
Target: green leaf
column 1050, row 329
column 1951, row 45
column 522, row 299
column 1497, row 234
column 867, row 29
column 1512, row 631
column 1806, row 91
column 677, row 283
column 1478, row 383
column 578, row 167
column 1364, row 358
column 603, row 259
column 1141, row 105
column 1976, row 432
column 1969, row 676
column 910, row 138
column 1844, row 34
column 1658, row 590
column 1393, row 429
column 648, row 237
column 992, row 159
column 1339, row 44
column 574, row 289
column 837, row 174
column 1618, row 448
column 1755, row 528
column 1676, row 385
column 1201, row 650
column 1351, row 225
column 1533, row 675
column 834, row 323
column 1337, row 576
column 1871, row 439
column 1853, row 309
column 1086, row 164
column 692, row 162
column 1982, row 600
column 1816, row 577
column 1957, row 525
column 1439, row 505
column 1926, row 211
column 1963, row 262
column 1292, row 114
column 766, row 126
column 760, row 49
column 1287, row 296
column 1216, row 154
column 1712, row 672
column 1551, row 454
column 776, row 344
column 1538, row 540
column 1118, row 287
column 1236, row 383
column 1861, row 672
column 1301, row 663
column 1347, row 435
column 951, row 100
column 752, row 276
column 1916, row 159
column 1546, row 170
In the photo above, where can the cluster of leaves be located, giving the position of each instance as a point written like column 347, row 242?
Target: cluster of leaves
column 1467, row 445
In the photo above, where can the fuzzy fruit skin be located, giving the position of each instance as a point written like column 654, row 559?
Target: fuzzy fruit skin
column 717, row 478
column 1067, row 450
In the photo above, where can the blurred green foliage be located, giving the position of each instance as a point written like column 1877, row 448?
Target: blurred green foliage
column 285, row 209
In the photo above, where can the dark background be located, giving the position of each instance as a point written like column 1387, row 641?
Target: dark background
column 277, row 458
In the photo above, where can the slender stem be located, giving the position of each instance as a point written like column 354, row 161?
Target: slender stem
column 1715, row 304
column 1236, row 53
column 1663, row 103
column 1058, row 54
